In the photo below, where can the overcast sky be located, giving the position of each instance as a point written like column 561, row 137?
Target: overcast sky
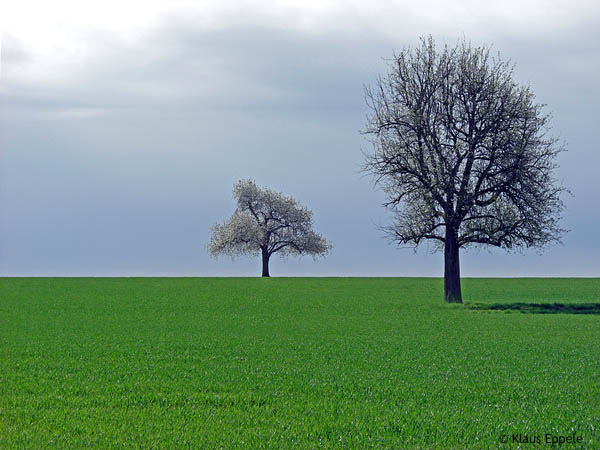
column 124, row 125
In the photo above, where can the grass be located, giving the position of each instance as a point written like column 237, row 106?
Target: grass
column 294, row 363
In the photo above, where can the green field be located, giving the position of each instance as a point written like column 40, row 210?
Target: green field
column 294, row 363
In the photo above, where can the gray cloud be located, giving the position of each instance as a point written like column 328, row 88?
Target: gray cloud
column 121, row 164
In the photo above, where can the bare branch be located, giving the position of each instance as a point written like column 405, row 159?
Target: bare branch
column 457, row 143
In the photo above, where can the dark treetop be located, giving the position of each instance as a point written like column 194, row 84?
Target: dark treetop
column 462, row 152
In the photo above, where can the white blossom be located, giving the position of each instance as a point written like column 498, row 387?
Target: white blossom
column 266, row 222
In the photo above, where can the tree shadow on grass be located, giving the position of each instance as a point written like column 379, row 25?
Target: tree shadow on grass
column 539, row 308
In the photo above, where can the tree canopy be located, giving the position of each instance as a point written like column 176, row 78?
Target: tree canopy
column 463, row 154
column 266, row 222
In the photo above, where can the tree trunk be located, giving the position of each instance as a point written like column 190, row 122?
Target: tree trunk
column 452, row 292
column 265, row 263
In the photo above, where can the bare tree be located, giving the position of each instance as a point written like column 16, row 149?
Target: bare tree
column 266, row 222
column 462, row 153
